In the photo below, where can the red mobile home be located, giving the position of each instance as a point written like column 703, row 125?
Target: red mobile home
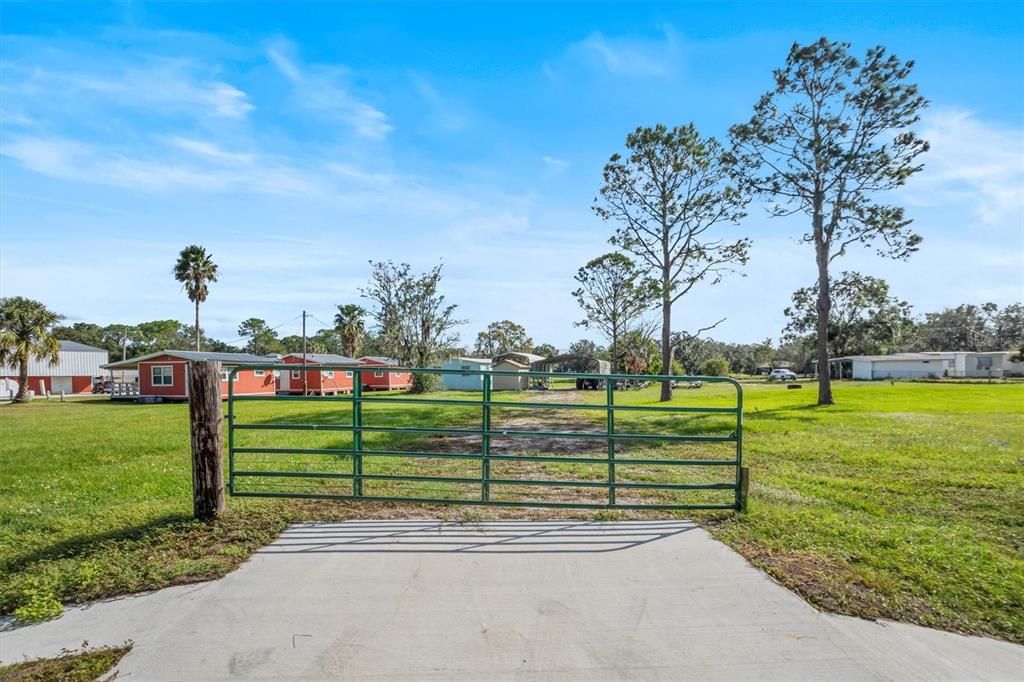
column 383, row 379
column 164, row 375
column 317, row 381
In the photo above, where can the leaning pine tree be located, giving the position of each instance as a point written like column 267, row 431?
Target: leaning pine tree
column 669, row 196
column 826, row 141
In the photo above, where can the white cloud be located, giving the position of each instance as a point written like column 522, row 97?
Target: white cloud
column 152, row 171
column 322, row 89
column 625, row 55
column 444, row 113
column 972, row 161
column 351, row 172
column 209, row 150
column 555, row 166
column 158, row 86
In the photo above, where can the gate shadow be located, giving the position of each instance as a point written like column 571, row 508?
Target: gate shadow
column 485, row 537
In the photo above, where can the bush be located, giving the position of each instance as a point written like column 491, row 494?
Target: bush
column 655, row 367
column 425, row 383
column 38, row 602
column 714, row 367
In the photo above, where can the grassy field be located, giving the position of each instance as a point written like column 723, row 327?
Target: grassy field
column 904, row 501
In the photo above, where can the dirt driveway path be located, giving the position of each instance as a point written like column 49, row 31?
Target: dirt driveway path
column 503, row 600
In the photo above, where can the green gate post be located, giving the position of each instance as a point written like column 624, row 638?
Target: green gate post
column 742, row 480
column 357, row 433
column 231, row 432
column 485, row 442
column 610, row 384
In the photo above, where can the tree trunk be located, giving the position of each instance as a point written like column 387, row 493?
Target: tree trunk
column 205, row 417
column 824, row 305
column 197, row 327
column 666, row 344
column 615, row 348
column 22, row 395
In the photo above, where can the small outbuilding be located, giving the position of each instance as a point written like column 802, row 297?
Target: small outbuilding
column 513, row 362
column 469, row 378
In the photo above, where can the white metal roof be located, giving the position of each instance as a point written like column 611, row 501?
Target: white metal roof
column 73, row 360
column 326, row 358
column 225, row 358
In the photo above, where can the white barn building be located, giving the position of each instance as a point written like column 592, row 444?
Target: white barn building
column 78, row 366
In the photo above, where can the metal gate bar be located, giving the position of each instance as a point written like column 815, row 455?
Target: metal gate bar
column 486, row 432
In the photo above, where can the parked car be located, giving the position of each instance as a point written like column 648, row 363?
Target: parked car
column 782, row 375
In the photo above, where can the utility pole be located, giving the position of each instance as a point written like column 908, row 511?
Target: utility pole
column 305, row 384
column 124, row 351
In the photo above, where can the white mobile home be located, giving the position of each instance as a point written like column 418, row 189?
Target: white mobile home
column 926, row 365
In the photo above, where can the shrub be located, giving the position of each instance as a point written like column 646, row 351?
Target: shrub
column 655, row 367
column 425, row 383
column 714, row 367
column 38, row 602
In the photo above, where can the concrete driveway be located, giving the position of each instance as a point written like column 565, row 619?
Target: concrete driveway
column 503, row 600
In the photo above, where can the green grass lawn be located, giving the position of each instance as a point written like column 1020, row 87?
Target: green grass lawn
column 903, row 501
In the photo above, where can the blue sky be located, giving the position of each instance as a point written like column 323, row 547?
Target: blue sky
column 298, row 141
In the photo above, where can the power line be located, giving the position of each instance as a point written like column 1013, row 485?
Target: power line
column 327, row 326
column 272, row 329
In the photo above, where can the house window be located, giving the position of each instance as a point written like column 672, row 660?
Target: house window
column 984, row 362
column 348, row 375
column 163, row 375
column 397, row 374
column 378, row 374
column 296, row 374
column 259, row 372
column 328, row 373
column 225, row 374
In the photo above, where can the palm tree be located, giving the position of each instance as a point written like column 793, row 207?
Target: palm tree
column 195, row 270
column 25, row 327
column 350, row 327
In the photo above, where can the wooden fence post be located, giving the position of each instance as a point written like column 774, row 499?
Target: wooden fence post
column 206, row 420
column 744, row 487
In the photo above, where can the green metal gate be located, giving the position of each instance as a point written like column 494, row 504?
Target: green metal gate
column 458, row 433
